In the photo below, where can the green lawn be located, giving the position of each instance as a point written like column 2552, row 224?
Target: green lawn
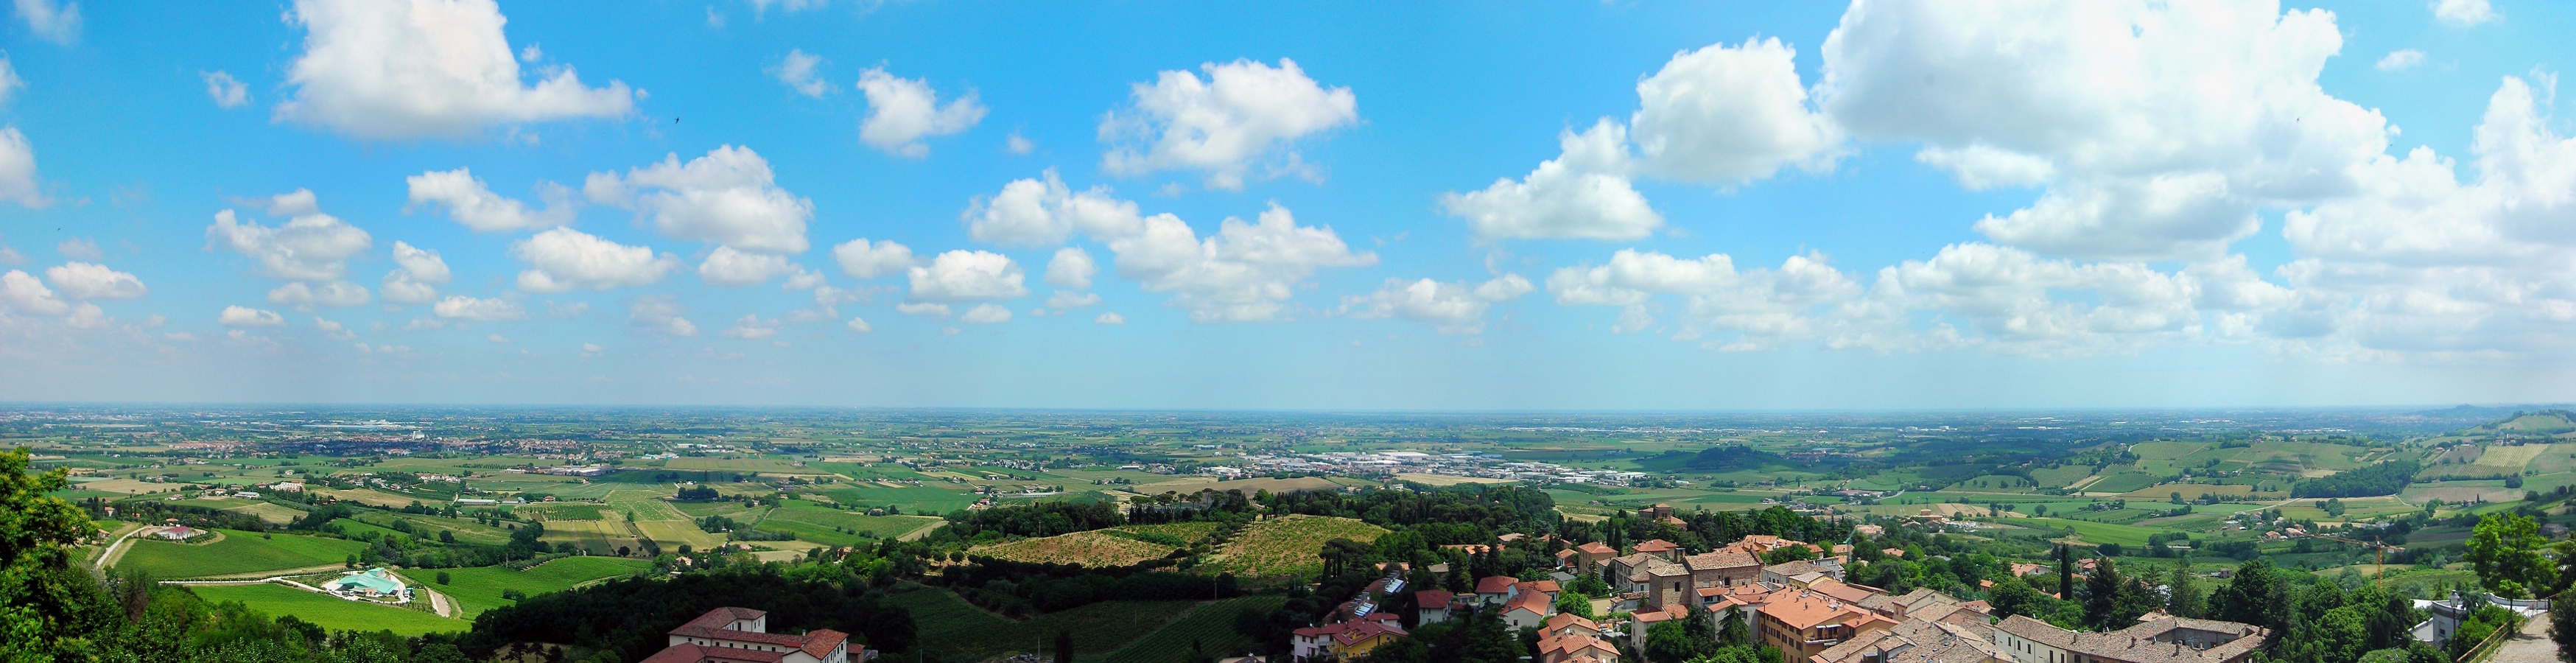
column 240, row 552
column 952, row 627
column 331, row 612
column 479, row 588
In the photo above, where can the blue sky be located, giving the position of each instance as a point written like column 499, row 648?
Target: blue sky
column 1581, row 205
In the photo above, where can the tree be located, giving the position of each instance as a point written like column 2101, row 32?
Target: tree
column 2011, row 597
column 1574, row 603
column 2065, row 572
column 2504, row 549
column 442, row 577
column 35, row 530
column 2562, row 628
column 2111, row 600
column 1672, row 642
column 1063, row 647
column 2184, row 596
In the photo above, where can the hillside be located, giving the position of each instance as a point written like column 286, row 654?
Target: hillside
column 1286, row 545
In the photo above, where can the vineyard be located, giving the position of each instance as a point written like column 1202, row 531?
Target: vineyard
column 1093, row 549
column 1192, row 532
column 1286, row 546
column 1210, row 625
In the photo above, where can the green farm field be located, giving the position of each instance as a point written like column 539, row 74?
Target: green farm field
column 330, row 612
column 479, row 588
column 238, row 553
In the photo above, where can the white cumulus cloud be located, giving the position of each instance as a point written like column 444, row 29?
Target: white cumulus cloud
column 305, row 296
column 226, row 91
column 1726, row 114
column 1584, row 193
column 902, row 111
column 797, row 70
column 472, row 204
column 2462, row 13
column 25, row 294
column 243, row 316
column 1239, row 115
column 416, row 276
column 460, row 307
column 727, row 197
column 18, row 181
column 311, row 246
column 82, row 280
column 564, row 259
column 730, row 268
column 409, row 69
column 985, row 314
column 1454, row 308
column 752, row 327
column 60, row 22
column 659, row 314
column 965, row 276
column 862, row 259
column 2401, row 60
column 1071, row 268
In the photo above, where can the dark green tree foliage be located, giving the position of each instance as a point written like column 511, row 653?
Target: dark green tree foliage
column 1040, row 519
column 697, row 493
column 2385, row 478
column 2256, row 595
column 2562, row 628
column 1477, row 638
column 1022, row 587
column 2112, row 600
column 632, row 616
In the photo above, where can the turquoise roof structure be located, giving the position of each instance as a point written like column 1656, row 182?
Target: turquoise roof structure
column 376, row 579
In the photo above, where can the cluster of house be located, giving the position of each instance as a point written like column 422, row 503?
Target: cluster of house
column 1804, row 608
column 741, row 635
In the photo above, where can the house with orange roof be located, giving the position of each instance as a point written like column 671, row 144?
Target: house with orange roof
column 1527, row 609
column 1804, row 623
column 1494, row 590
column 741, row 635
column 1586, row 558
column 1645, row 620
column 1564, row 624
column 1432, row 606
column 1671, row 552
column 1663, row 583
column 1576, row 648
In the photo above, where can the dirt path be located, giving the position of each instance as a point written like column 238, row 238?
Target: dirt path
column 2531, row 645
column 438, row 603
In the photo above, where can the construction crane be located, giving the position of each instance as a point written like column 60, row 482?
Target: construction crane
column 2379, row 557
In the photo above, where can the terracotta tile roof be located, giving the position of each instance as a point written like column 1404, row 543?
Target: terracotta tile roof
column 687, row 653
column 1495, row 584
column 1596, row 548
column 821, row 642
column 1722, row 559
column 712, row 626
column 1433, row 598
column 1548, row 586
column 1361, row 631
column 1656, row 567
column 1803, row 610
column 1657, row 545
column 1562, row 619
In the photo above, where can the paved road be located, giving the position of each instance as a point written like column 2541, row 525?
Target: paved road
column 2532, row 645
column 111, row 555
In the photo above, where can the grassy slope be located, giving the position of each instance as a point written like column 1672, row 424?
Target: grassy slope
column 479, row 588
column 1210, row 624
column 239, row 552
column 329, row 612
